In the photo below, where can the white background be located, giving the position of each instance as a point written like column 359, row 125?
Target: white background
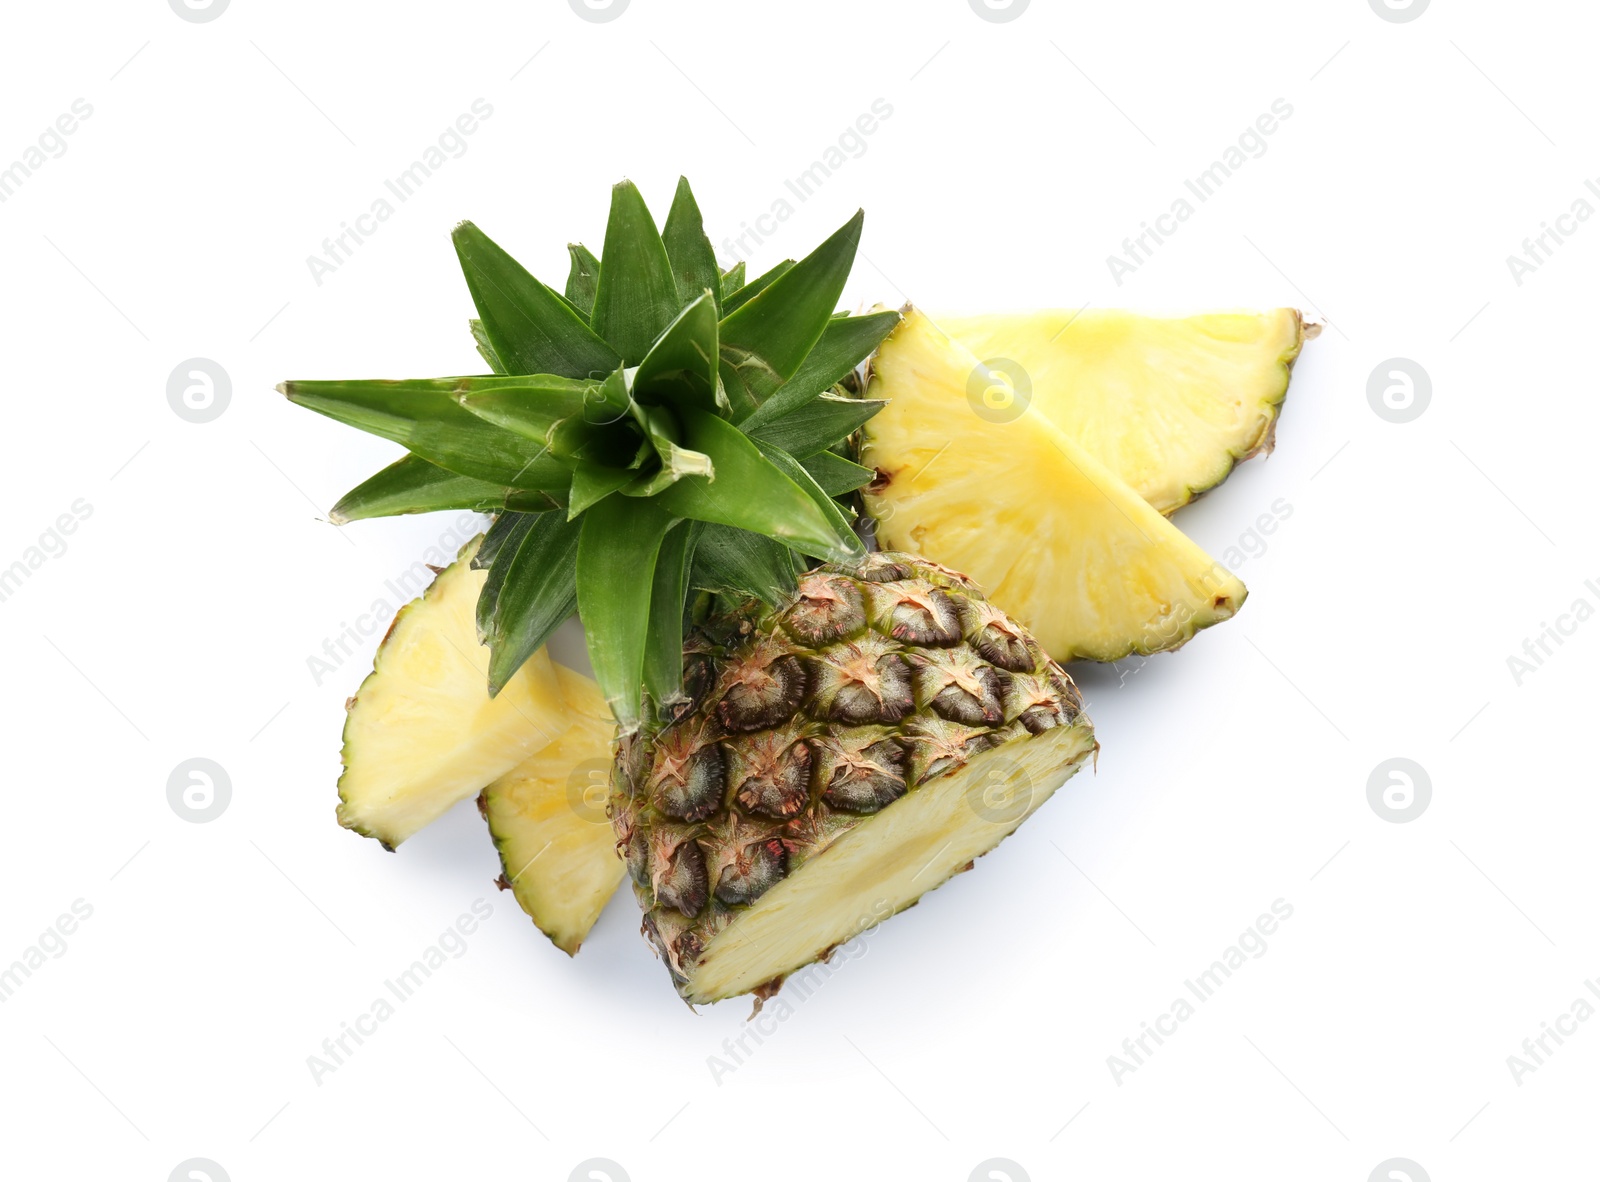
column 1416, row 560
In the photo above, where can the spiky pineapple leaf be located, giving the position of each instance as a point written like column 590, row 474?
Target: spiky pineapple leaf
column 637, row 296
column 663, row 654
column 593, row 483
column 749, row 492
column 680, row 369
column 736, row 562
column 480, row 337
column 531, row 328
column 617, row 548
column 792, row 468
column 694, row 265
column 412, row 485
column 755, row 287
column 732, row 279
column 675, row 462
column 764, row 343
column 493, row 538
column 844, row 344
column 835, row 474
column 424, row 416
column 582, row 275
column 503, row 553
column 818, row 425
column 529, row 406
column 540, row 590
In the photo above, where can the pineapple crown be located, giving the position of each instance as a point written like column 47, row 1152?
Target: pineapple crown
column 660, row 428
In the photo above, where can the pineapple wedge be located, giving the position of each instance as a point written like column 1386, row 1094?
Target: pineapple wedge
column 1169, row 406
column 422, row 731
column 1057, row 540
column 548, row 820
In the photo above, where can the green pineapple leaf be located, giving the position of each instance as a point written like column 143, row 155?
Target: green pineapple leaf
column 539, row 591
column 636, row 297
column 663, row 654
column 732, row 280
column 750, row 493
column 480, row 337
column 412, row 485
column 529, row 406
column 617, row 548
column 818, row 425
column 423, row 415
column 764, row 343
column 694, row 266
column 581, row 277
column 531, row 328
column 845, row 343
column 835, row 474
column 675, row 462
column 493, row 538
column 498, row 562
column 739, row 563
column 755, row 287
column 680, row 369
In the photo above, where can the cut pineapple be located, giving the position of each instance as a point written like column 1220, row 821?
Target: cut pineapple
column 548, row 820
column 1055, row 538
column 1170, row 406
column 422, row 731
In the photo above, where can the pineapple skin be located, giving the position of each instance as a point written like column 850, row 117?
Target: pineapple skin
column 803, row 723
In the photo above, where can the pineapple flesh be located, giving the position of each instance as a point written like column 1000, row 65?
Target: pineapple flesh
column 1169, row 406
column 1062, row 544
column 548, row 820
column 838, row 756
column 422, row 732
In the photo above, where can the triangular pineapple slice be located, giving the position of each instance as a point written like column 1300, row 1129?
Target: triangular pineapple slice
column 422, row 731
column 548, row 820
column 1005, row 496
column 1170, row 406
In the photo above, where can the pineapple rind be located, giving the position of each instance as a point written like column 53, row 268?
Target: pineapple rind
column 1171, row 406
column 422, row 733
column 808, row 722
column 557, row 853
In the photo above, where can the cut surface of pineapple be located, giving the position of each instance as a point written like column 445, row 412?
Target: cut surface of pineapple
column 548, row 820
column 422, row 732
column 888, row 862
column 1051, row 534
column 1168, row 405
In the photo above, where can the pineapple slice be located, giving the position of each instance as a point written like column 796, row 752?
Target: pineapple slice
column 1169, row 406
column 548, row 820
column 1059, row 542
column 422, row 731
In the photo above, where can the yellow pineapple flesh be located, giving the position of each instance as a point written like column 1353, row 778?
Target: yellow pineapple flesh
column 1003, row 494
column 1169, row 406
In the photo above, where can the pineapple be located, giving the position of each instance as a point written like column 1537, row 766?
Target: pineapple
column 422, row 731
column 838, row 756
column 548, row 820
column 1169, row 406
column 1081, row 558
column 663, row 445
